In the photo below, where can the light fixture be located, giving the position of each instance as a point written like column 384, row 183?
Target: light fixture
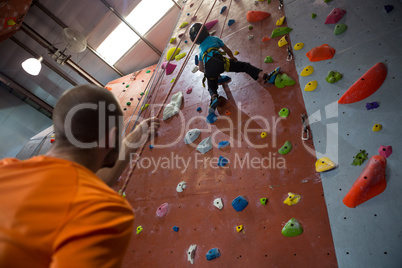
column 32, row 65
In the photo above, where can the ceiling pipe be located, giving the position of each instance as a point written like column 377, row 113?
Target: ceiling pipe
column 46, row 44
column 59, row 22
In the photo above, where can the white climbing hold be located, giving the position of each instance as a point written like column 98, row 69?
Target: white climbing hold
column 174, row 106
column 213, row 32
column 192, row 135
column 191, row 253
column 181, row 186
column 205, row 145
column 194, row 70
column 218, row 203
column 250, row 37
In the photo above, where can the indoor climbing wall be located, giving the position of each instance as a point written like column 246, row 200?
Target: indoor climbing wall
column 268, row 162
column 370, row 234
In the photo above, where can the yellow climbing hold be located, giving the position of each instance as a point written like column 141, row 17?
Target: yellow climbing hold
column 171, row 81
column 145, row 106
column 298, row 46
column 171, row 51
column 377, row 127
column 263, row 134
column 282, row 41
column 307, row 71
column 239, row 228
column 184, row 24
column 324, row 164
column 11, row 22
column 180, row 56
column 292, row 199
column 310, row 86
column 236, row 52
column 172, row 40
column 280, row 21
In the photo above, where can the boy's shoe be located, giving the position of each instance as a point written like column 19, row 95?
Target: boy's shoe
column 270, row 78
column 213, row 105
column 224, row 79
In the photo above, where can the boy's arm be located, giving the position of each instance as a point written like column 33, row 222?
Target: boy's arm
column 201, row 66
column 228, row 52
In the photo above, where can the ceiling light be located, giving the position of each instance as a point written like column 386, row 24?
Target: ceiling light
column 32, row 65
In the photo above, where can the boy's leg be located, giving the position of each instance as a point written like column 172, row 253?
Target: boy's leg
column 254, row 72
column 213, row 68
column 213, row 91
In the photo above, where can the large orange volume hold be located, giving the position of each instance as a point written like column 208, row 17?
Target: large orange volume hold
column 366, row 85
column 254, row 16
column 323, row 52
column 369, row 184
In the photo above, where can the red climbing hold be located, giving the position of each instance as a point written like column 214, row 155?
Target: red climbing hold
column 369, row 184
column 323, row 52
column 254, row 16
column 211, row 24
column 366, row 85
column 335, row 15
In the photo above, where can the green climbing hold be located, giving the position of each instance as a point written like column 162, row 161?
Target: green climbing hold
column 128, row 103
column 292, row 228
column 148, row 71
column 142, row 93
column 250, row 27
column 280, row 31
column 333, row 77
column 127, row 86
column 269, row 1
column 313, row 16
column 359, row 158
column 327, row 1
column 286, row 148
column 284, row 112
column 263, row 201
column 139, row 229
column 340, row 28
column 283, row 80
column 268, row 59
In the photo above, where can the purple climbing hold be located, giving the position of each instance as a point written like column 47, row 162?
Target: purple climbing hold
column 222, row 161
column 175, row 228
column 223, row 9
column 230, row 22
column 388, row 8
column 372, row 105
column 189, row 90
column 199, row 109
column 210, row 24
column 211, row 118
column 213, row 253
column 239, row 203
column 335, row 15
column 161, row 211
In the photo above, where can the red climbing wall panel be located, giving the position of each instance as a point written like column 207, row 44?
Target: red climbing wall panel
column 253, row 107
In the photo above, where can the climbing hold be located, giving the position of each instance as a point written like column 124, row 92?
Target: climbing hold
column 185, row 41
column 199, row 109
column 239, row 228
column 191, row 253
column 181, row 186
column 385, row 151
column 282, row 41
column 265, row 39
column 377, row 127
column 125, row 109
column 142, row 94
column 173, row 107
column 284, row 112
column 188, row 14
column 211, row 24
column 181, row 35
column 127, row 86
column 280, row 31
column 239, row 203
column 250, row 37
column 313, row 15
column 205, row 145
column 194, row 70
column 128, row 103
column 223, row 9
column 144, row 107
column 148, row 71
column 189, row 90
column 161, row 211
column 211, row 118
column 333, row 77
column 307, row 71
column 192, row 4
column 327, row 1
column 172, row 52
column 227, row 113
column 175, row 228
column 263, row 134
column 340, row 28
column 52, row 140
column 180, row 56
column 172, row 40
column 139, row 229
column 193, row 18
column 372, row 105
column 223, row 144
column 131, row 99
column 230, row 22
column 298, row 46
column 324, row 164
column 196, row 60
column 286, row 148
column 151, row 146
column 222, row 161
column 366, row 85
column 359, row 158
column 280, row 21
column 310, row 86
column 283, row 80
column 292, row 228
column 192, row 135
column 139, row 99
column 213, row 253
column 236, row 53
column 218, row 203
column 254, row 16
column 250, row 27
column 323, row 52
column 184, row 24
column 212, row 32
column 369, row 184
column 11, row 22
column 263, row 201
column 334, row 16
column 388, row 8
column 168, row 67
column 292, row 199
column 268, row 59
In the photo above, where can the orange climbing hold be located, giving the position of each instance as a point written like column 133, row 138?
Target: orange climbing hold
column 369, row 184
column 254, row 16
column 323, row 52
column 366, row 85
column 108, row 88
column 265, row 38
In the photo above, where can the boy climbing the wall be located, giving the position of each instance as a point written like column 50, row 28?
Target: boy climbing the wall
column 212, row 62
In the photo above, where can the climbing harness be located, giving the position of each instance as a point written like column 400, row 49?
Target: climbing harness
column 305, row 127
column 226, row 61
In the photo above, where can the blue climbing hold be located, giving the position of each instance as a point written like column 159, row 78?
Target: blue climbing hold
column 372, row 105
column 151, row 146
column 185, row 41
column 196, row 59
column 223, row 9
column 388, row 8
column 222, row 161
column 239, row 203
column 224, row 79
column 213, row 253
column 175, row 228
column 223, row 144
column 199, row 109
column 188, row 14
column 230, row 22
column 211, row 118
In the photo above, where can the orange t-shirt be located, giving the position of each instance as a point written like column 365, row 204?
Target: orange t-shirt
column 56, row 213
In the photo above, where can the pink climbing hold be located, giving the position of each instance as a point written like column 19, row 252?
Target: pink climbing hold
column 161, row 211
column 211, row 24
column 335, row 15
column 192, row 4
column 189, row 90
column 169, row 67
column 385, row 151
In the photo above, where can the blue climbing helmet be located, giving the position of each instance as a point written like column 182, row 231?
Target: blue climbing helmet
column 194, row 29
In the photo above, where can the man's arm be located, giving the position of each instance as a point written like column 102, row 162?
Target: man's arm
column 228, row 52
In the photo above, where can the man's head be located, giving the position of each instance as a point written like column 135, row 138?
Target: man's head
column 198, row 28
column 88, row 117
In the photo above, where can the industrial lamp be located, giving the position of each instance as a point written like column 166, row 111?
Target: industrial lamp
column 32, row 65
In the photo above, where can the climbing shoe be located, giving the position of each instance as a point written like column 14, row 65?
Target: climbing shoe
column 270, row 78
column 224, row 79
column 214, row 104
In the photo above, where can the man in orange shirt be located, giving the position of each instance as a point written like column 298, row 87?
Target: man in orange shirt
column 54, row 210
